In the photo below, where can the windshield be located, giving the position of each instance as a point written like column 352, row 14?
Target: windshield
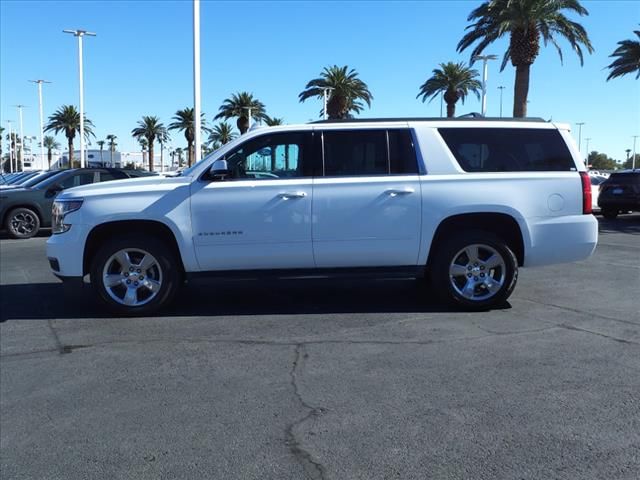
column 50, row 180
column 39, row 178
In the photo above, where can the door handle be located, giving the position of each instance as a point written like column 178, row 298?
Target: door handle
column 289, row 195
column 394, row 192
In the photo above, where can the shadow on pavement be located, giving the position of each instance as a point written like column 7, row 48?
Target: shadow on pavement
column 233, row 297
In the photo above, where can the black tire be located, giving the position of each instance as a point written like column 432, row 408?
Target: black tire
column 22, row 223
column 609, row 213
column 478, row 276
column 165, row 272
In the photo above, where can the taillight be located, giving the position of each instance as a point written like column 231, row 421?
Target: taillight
column 586, row 193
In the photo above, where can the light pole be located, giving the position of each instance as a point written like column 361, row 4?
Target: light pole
column 485, row 72
column 325, row 100
column 501, row 88
column 196, row 80
column 580, row 124
column 20, row 153
column 40, row 82
column 586, row 158
column 80, row 34
column 248, row 109
column 10, row 147
column 633, row 159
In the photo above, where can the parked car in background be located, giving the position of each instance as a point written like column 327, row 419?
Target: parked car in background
column 31, row 180
column 23, row 211
column 620, row 193
column 465, row 202
column 596, row 181
column 18, row 179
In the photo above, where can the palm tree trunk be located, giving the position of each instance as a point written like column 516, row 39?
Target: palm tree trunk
column 49, row 155
column 151, row 156
column 451, row 109
column 111, row 156
column 190, row 152
column 70, row 152
column 521, row 91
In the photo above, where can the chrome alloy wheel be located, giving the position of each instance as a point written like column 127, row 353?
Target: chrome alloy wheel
column 23, row 223
column 477, row 272
column 132, row 277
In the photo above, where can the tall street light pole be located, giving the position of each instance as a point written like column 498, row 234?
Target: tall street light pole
column 485, row 73
column 586, row 158
column 79, row 34
column 10, row 147
column 325, row 97
column 196, row 80
column 20, row 153
column 633, row 159
column 501, row 88
column 40, row 82
column 580, row 124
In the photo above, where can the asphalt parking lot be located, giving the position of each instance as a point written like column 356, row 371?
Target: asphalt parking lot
column 326, row 380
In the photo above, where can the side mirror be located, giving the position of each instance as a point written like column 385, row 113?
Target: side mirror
column 54, row 190
column 219, row 170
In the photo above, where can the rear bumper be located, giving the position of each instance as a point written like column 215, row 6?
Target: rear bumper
column 621, row 203
column 561, row 240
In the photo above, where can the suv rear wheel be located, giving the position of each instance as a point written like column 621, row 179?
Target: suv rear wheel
column 135, row 274
column 22, row 223
column 474, row 269
column 609, row 213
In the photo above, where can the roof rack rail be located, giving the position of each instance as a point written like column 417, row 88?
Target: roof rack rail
column 430, row 119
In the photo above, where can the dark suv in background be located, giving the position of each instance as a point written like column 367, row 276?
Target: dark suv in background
column 620, row 193
column 23, row 211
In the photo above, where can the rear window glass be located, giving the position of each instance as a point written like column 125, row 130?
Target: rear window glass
column 625, row 178
column 508, row 149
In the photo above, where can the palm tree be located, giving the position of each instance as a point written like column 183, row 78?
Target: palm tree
column 101, row 143
column 455, row 81
column 112, row 147
column 178, row 152
column 184, row 120
column 273, row 121
column 525, row 21
column 50, row 144
column 67, row 119
column 346, row 95
column 149, row 128
column 628, row 60
column 238, row 106
column 163, row 139
column 221, row 133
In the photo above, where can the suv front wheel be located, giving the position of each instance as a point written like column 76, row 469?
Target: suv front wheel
column 135, row 274
column 475, row 270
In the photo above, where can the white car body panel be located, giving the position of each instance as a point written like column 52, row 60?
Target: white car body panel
column 368, row 221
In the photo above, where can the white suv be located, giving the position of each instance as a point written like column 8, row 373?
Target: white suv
column 464, row 202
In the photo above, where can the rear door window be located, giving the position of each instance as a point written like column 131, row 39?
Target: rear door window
column 368, row 152
column 508, row 149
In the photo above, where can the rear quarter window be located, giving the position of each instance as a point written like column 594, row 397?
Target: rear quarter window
column 508, row 149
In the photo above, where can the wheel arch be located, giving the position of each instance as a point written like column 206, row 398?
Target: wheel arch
column 153, row 228
column 501, row 224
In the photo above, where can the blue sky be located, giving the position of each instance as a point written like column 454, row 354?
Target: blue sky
column 141, row 61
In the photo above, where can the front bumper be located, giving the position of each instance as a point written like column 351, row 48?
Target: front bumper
column 67, row 251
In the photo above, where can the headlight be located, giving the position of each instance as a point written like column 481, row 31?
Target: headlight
column 60, row 209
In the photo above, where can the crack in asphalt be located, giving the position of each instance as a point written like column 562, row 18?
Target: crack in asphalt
column 312, row 468
column 238, row 341
column 616, row 339
column 56, row 338
column 581, row 312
